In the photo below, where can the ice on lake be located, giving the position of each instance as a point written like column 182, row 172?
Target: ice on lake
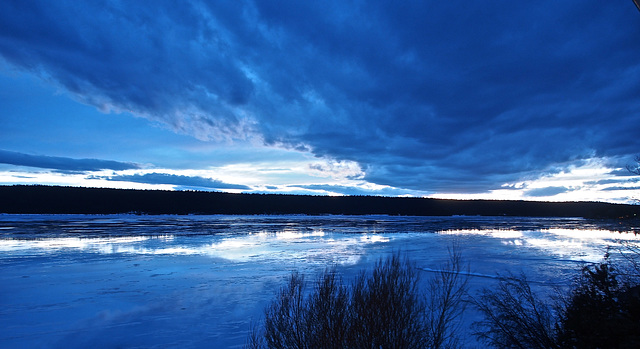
column 76, row 281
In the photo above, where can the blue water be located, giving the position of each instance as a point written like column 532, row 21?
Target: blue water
column 76, row 281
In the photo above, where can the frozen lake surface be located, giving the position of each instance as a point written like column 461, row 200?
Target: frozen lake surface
column 125, row 281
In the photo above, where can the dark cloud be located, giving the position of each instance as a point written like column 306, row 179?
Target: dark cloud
column 179, row 180
column 62, row 163
column 436, row 96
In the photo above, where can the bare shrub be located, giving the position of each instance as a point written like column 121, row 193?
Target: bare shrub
column 446, row 298
column 630, row 267
column 255, row 338
column 386, row 309
column 328, row 313
column 294, row 320
column 382, row 308
column 514, row 316
column 600, row 311
column 285, row 319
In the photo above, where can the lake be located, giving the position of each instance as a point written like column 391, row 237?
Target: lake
column 107, row 281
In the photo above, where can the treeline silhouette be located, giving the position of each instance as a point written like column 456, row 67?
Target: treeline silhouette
column 41, row 199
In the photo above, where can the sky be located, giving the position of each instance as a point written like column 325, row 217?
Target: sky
column 536, row 100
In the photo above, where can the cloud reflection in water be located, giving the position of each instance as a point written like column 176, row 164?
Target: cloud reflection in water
column 584, row 244
column 288, row 244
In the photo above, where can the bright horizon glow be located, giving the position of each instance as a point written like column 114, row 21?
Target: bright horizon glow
column 583, row 183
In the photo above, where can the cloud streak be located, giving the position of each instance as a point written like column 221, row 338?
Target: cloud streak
column 355, row 190
column 547, row 191
column 62, row 163
column 440, row 97
column 179, row 180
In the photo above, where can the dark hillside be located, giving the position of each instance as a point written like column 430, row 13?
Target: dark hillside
column 51, row 199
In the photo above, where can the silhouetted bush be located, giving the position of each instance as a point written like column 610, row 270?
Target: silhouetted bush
column 383, row 308
column 514, row 316
column 386, row 309
column 319, row 321
column 446, row 299
column 601, row 311
column 328, row 320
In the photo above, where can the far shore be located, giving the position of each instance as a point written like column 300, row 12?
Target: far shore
column 39, row 199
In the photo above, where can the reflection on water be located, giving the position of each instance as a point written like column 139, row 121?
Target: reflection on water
column 198, row 281
column 337, row 239
column 499, row 233
column 335, row 247
column 591, row 234
column 587, row 244
column 104, row 245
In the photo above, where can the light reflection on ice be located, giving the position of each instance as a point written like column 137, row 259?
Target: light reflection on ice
column 293, row 234
column 591, row 234
column 374, row 238
column 7, row 245
column 584, row 244
column 317, row 244
column 586, row 251
column 516, row 242
column 287, row 244
column 500, row 234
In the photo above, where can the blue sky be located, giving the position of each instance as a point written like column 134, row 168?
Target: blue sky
column 504, row 100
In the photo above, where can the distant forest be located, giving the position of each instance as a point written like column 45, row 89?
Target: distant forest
column 57, row 200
